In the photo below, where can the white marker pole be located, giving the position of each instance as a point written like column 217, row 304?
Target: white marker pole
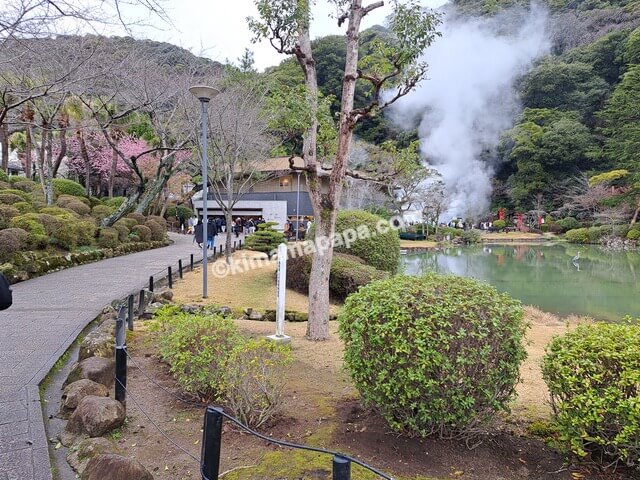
column 282, row 284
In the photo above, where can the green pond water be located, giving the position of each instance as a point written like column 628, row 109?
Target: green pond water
column 602, row 284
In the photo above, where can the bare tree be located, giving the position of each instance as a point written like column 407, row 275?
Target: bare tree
column 239, row 142
column 394, row 65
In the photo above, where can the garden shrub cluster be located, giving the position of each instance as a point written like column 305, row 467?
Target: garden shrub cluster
column 568, row 223
column 593, row 375
column 27, row 223
column 211, row 360
column 596, row 234
column 348, row 274
column 499, row 224
column 434, row 354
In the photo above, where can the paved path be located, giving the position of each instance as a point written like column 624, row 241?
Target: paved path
column 48, row 314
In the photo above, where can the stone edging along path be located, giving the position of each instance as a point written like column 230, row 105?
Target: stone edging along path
column 49, row 312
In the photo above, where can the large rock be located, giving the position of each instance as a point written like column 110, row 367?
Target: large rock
column 114, row 467
column 88, row 448
column 99, row 343
column 100, row 370
column 76, row 391
column 94, row 417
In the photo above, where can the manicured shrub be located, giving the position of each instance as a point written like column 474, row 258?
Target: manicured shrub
column 3, row 176
column 178, row 211
column 265, row 239
column 4, row 185
column 593, row 375
column 555, row 228
column 450, row 231
column 499, row 224
column 578, row 235
column 157, row 230
column 137, row 217
column 470, row 237
column 30, row 222
column 108, row 237
column 10, row 198
column 142, row 232
column 7, row 212
column 59, row 212
column 86, row 232
column 380, row 250
column 26, row 197
column 63, row 186
column 24, row 207
column 434, row 354
column 129, row 222
column 197, row 349
column 254, row 380
column 94, row 201
column 348, row 274
column 100, row 212
column 115, row 202
column 12, row 240
column 27, row 186
column 568, row 223
column 123, row 230
column 633, row 234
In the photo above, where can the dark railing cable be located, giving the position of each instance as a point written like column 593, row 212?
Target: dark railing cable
column 162, row 432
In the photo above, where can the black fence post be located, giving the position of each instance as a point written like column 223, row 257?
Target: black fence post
column 220, row 249
column 192, row 262
column 180, row 268
column 240, row 244
column 170, row 277
column 141, row 303
column 130, row 312
column 234, row 245
column 121, row 357
column 341, row 468
column 211, row 443
column 151, row 283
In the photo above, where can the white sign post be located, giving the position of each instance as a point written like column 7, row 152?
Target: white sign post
column 280, row 337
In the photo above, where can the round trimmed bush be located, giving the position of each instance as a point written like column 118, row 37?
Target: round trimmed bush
column 63, row 186
column 30, row 222
column 128, row 222
column 123, row 230
column 157, row 230
column 115, row 202
column 100, row 212
column 27, row 186
column 26, row 197
column 10, row 198
column 93, row 201
column 142, row 232
column 568, row 223
column 159, row 220
column 499, row 224
column 593, row 375
column 59, row 212
column 74, row 203
column 3, row 176
column 7, row 212
column 633, row 234
column 578, row 235
column 12, row 240
column 139, row 218
column 380, row 250
column 436, row 354
column 24, row 207
column 108, row 237
column 86, row 232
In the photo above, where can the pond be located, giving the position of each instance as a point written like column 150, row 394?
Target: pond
column 561, row 278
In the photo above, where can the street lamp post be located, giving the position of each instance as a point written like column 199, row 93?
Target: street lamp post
column 204, row 93
column 298, row 207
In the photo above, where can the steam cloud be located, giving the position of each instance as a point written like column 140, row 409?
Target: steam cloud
column 469, row 99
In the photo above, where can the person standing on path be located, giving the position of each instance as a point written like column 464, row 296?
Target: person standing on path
column 6, row 295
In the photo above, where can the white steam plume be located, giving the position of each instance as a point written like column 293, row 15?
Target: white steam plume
column 469, row 99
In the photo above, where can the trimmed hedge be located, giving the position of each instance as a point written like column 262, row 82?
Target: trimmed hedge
column 381, row 251
column 63, row 186
column 27, row 186
column 568, row 223
column 142, row 233
column 100, row 212
column 139, row 218
column 348, row 274
column 436, row 354
column 593, row 375
column 4, row 177
column 7, row 212
column 30, row 222
column 578, row 235
column 115, row 202
column 157, row 230
column 108, row 237
column 10, row 198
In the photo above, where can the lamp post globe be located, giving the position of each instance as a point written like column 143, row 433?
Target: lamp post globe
column 204, row 94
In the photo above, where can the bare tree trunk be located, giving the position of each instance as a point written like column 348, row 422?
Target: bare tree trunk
column 635, row 215
column 63, row 148
column 112, row 172
column 87, row 164
column 28, row 155
column 228, row 215
column 4, row 144
column 127, row 207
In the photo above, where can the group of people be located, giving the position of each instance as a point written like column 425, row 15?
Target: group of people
column 301, row 226
column 216, row 225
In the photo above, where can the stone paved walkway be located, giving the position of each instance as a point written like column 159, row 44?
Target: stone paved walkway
column 48, row 314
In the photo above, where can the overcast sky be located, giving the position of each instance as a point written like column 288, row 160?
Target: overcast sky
column 218, row 29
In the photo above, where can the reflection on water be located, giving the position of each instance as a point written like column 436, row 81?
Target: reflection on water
column 563, row 279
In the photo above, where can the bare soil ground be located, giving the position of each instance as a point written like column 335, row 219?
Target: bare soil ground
column 322, row 409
